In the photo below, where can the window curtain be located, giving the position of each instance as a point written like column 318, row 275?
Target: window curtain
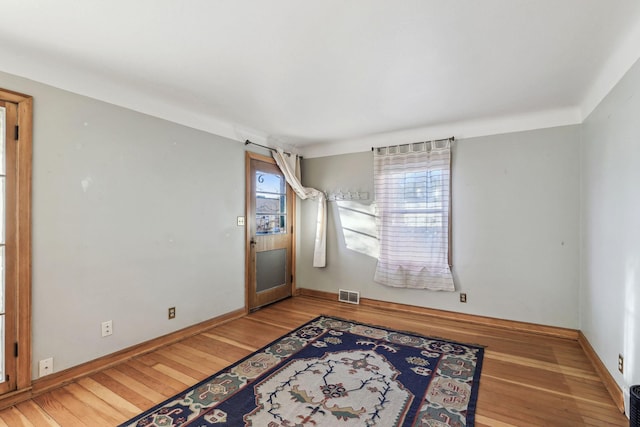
column 412, row 185
column 290, row 167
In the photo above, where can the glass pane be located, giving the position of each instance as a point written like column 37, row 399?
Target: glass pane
column 271, row 269
column 2, row 280
column 2, row 353
column 269, row 204
column 269, row 183
column 271, row 224
column 2, row 210
column 3, row 135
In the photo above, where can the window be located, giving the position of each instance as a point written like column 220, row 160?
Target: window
column 412, row 195
column 271, row 202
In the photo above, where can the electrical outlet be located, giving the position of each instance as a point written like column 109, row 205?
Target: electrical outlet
column 240, row 221
column 620, row 363
column 463, row 297
column 107, row 328
column 46, row 367
column 172, row 312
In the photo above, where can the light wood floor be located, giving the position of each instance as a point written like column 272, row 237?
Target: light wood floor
column 527, row 380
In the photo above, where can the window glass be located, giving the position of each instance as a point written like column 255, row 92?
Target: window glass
column 271, row 203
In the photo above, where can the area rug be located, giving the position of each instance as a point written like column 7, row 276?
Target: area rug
column 334, row 372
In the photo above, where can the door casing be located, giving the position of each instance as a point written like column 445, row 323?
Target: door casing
column 20, row 295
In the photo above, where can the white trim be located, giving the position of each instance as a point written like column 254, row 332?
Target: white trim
column 460, row 130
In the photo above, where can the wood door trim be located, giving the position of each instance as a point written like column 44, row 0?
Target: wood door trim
column 10, row 271
column 24, row 154
column 249, row 155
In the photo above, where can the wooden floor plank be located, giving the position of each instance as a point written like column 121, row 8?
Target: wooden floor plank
column 190, row 374
column 57, row 411
column 169, row 382
column 134, row 385
column 36, row 415
column 222, row 349
column 136, row 399
column 527, row 379
column 149, row 379
column 97, row 405
column 14, row 417
column 119, row 403
column 80, row 409
column 203, row 366
column 176, row 375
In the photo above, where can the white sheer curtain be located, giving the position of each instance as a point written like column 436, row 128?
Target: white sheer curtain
column 290, row 167
column 412, row 194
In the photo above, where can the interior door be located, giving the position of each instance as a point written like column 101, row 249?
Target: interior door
column 269, row 236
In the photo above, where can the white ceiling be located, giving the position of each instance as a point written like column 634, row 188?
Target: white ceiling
column 330, row 76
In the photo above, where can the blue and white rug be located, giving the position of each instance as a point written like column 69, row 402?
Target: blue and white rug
column 334, row 372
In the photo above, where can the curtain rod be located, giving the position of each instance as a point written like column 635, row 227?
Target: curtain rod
column 450, row 139
column 247, row 142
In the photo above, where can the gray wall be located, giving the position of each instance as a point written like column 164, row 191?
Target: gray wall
column 515, row 228
column 131, row 215
column 610, row 261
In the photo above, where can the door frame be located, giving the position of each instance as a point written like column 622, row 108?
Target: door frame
column 250, row 155
column 24, row 154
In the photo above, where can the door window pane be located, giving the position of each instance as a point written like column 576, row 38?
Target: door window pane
column 2, row 308
column 2, row 373
column 3, row 178
column 3, row 132
column 271, row 224
column 269, row 183
column 271, row 203
column 268, row 204
column 3, row 181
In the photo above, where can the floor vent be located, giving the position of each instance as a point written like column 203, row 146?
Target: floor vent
column 352, row 297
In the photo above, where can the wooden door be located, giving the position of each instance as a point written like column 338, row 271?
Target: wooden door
column 269, row 236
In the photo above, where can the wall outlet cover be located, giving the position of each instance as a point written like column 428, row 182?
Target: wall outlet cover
column 45, row 367
column 621, row 364
column 107, row 328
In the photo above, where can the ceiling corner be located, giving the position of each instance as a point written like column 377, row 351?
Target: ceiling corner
column 612, row 71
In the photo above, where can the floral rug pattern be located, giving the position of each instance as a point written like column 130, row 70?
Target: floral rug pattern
column 332, row 372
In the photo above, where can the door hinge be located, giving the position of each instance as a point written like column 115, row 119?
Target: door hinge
column 7, row 378
column 15, row 350
column 17, row 132
column 292, row 278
